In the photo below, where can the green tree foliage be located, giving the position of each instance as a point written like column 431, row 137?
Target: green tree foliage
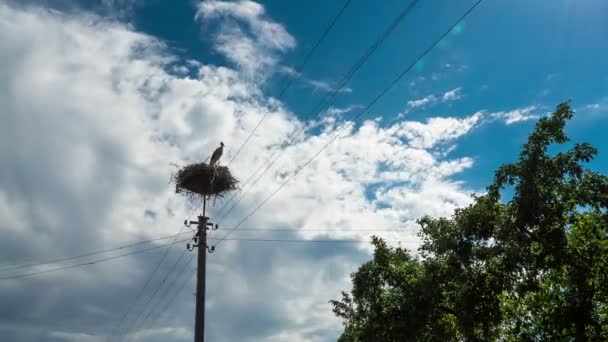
column 533, row 267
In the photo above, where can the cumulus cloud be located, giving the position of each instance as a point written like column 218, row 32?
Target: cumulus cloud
column 600, row 106
column 517, row 115
column 333, row 111
column 456, row 67
column 595, row 109
column 320, row 85
column 327, row 87
column 246, row 36
column 451, row 95
column 333, row 114
column 93, row 115
column 427, row 100
column 436, row 130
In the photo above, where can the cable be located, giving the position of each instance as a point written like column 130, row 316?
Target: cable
column 364, row 111
column 289, row 230
column 195, row 209
column 135, row 324
column 327, row 100
column 165, row 306
column 98, row 261
column 63, row 259
column 143, row 289
column 294, row 240
column 299, row 74
column 58, row 260
column 167, row 303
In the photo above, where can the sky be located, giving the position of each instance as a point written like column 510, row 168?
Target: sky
column 101, row 99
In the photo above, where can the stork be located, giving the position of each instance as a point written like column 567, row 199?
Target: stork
column 217, row 154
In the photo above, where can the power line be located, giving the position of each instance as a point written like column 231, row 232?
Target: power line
column 326, row 101
column 163, row 307
column 195, row 209
column 63, row 259
column 298, row 70
column 133, row 326
column 59, row 260
column 295, row 240
column 291, row 230
column 143, row 289
column 98, row 261
column 364, row 111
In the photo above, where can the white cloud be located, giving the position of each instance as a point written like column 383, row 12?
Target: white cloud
column 246, row 36
column 436, row 130
column 425, row 101
column 325, row 86
column 456, row 67
column 66, row 336
column 333, row 111
column 91, row 121
column 451, row 95
column 289, row 71
column 438, row 198
column 595, row 106
column 517, row 115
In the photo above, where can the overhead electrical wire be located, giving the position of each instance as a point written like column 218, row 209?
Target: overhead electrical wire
column 245, row 239
column 355, row 117
column 163, row 306
column 94, row 262
column 325, row 102
column 80, row 256
column 236, row 227
column 140, row 293
column 330, row 230
column 296, row 240
column 298, row 71
column 376, row 99
column 102, row 260
column 186, row 276
column 134, row 325
column 103, row 251
column 167, row 303
column 150, row 309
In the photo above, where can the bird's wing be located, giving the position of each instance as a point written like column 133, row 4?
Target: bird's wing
column 216, row 155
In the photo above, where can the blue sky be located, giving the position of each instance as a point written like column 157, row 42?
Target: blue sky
column 99, row 99
column 503, row 56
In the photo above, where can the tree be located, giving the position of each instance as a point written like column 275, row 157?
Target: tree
column 533, row 267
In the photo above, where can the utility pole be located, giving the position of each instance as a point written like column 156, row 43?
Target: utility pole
column 200, row 239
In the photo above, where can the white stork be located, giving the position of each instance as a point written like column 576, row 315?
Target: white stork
column 217, row 154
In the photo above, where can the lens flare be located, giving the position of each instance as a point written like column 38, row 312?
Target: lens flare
column 458, row 28
column 419, row 66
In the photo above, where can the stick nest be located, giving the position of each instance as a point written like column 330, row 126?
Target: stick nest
column 204, row 180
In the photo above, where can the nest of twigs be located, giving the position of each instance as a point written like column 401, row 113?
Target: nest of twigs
column 204, row 180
